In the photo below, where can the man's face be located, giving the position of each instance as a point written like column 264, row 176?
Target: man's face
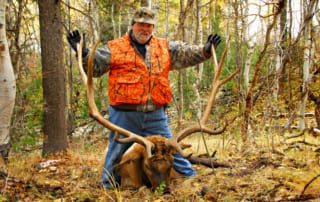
column 142, row 31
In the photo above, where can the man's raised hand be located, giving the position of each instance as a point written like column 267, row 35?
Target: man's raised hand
column 74, row 38
column 212, row 40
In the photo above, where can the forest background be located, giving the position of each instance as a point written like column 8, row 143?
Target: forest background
column 271, row 107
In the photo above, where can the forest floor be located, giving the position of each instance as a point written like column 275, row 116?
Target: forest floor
column 271, row 168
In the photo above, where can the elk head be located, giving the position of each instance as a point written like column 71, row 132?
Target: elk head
column 150, row 160
column 137, row 169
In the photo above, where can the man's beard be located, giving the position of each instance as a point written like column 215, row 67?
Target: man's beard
column 143, row 37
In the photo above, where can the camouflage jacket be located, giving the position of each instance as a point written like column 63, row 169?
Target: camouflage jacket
column 182, row 55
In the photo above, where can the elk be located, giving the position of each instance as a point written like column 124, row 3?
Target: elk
column 149, row 161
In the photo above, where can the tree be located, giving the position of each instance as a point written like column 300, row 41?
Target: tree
column 199, row 68
column 7, row 86
column 258, row 65
column 53, row 77
column 180, row 35
column 309, row 7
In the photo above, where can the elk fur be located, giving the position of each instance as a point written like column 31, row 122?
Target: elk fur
column 136, row 169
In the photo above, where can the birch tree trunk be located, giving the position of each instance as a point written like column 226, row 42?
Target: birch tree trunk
column 112, row 20
column 180, row 35
column 237, row 17
column 94, row 21
column 199, row 67
column 290, row 88
column 14, row 20
column 16, row 58
column 306, row 68
column 280, row 47
column 277, row 59
column 250, row 45
column 119, row 23
column 7, row 85
column 167, row 18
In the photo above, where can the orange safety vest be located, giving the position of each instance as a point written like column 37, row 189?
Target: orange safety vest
column 130, row 81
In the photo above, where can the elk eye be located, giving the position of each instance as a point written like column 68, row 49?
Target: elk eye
column 153, row 152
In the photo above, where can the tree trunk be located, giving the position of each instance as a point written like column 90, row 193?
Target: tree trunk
column 284, row 46
column 119, row 23
column 16, row 57
column 94, row 20
column 14, row 25
column 167, row 18
column 199, row 67
column 113, row 21
column 306, row 70
column 70, row 78
column 180, row 35
column 308, row 58
column 54, row 78
column 7, row 85
column 256, row 76
column 236, row 6
column 277, row 61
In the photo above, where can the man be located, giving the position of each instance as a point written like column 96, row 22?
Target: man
column 139, row 89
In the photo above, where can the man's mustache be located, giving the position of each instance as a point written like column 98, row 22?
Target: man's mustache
column 143, row 33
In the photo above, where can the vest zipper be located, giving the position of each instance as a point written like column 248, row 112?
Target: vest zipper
column 148, row 55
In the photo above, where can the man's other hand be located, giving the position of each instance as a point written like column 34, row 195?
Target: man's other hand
column 212, row 40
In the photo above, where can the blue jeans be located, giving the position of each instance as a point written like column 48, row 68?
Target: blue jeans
column 144, row 124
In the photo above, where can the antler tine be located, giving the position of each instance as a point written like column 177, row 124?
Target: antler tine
column 82, row 73
column 216, row 84
column 225, row 80
column 172, row 142
column 215, row 60
column 93, row 110
column 175, row 140
column 199, row 128
column 223, row 57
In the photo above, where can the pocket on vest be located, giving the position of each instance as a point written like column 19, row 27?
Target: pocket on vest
column 161, row 91
column 129, row 89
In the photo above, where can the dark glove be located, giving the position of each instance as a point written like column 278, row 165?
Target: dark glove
column 212, row 40
column 74, row 38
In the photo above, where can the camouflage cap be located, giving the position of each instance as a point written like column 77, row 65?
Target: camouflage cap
column 144, row 15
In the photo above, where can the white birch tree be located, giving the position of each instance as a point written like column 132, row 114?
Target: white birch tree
column 309, row 8
column 113, row 21
column 199, row 67
column 7, row 85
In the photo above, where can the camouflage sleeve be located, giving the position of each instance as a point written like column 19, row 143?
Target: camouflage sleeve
column 101, row 61
column 185, row 55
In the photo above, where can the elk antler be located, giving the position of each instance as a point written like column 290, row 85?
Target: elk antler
column 93, row 110
column 216, row 84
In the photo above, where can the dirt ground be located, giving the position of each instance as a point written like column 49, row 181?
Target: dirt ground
column 270, row 168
